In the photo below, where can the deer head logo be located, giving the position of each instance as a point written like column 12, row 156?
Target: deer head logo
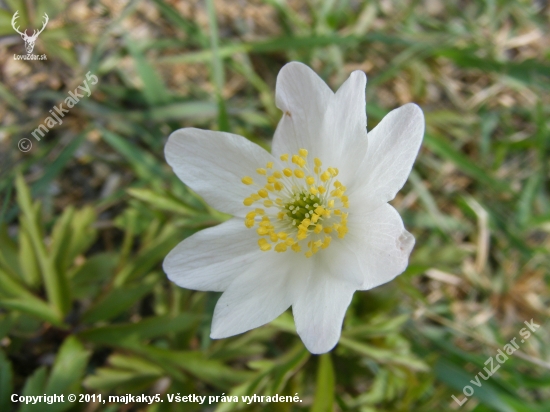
column 29, row 40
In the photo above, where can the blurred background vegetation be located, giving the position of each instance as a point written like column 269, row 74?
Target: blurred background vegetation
column 90, row 212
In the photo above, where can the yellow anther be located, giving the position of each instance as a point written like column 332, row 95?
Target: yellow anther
column 337, row 184
column 259, row 211
column 322, row 189
column 306, row 223
column 271, row 179
column 279, row 201
column 261, row 171
column 331, row 203
column 317, row 243
column 313, row 190
column 255, row 196
column 310, row 180
column 317, row 162
column 299, row 173
column 269, row 165
column 344, row 199
column 298, row 160
column 284, row 157
column 281, row 215
column 296, row 247
column 247, row 180
column 265, row 247
column 303, row 152
column 342, row 231
column 316, row 170
column 262, row 231
column 302, row 234
column 327, row 230
column 287, row 172
column 271, row 188
column 326, row 242
column 318, row 228
column 268, row 203
column 333, row 171
column 281, row 247
column 319, row 210
column 251, row 215
column 278, row 186
column 325, row 176
column 289, row 241
column 282, row 235
column 263, row 193
column 315, row 218
column 248, row 201
column 277, row 174
column 309, row 254
column 337, row 212
column 273, row 237
column 249, row 223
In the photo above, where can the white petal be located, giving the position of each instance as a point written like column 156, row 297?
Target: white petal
column 392, row 148
column 381, row 243
column 319, row 311
column 264, row 291
column 213, row 164
column 344, row 132
column 303, row 97
column 212, row 258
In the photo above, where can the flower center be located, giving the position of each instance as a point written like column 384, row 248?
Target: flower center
column 303, row 210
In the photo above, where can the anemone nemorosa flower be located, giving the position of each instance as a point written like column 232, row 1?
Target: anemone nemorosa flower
column 311, row 223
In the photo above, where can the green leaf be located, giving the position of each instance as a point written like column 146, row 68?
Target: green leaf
column 153, row 87
column 34, row 386
column 35, row 307
column 324, row 390
column 61, row 238
column 143, row 163
column 6, row 382
column 162, row 201
column 217, row 74
column 55, row 282
column 383, row 355
column 119, row 299
column 458, row 378
column 27, row 259
column 286, row 367
column 69, row 367
column 194, row 363
column 126, row 373
column 441, row 147
column 145, row 329
column 9, row 254
column 87, row 279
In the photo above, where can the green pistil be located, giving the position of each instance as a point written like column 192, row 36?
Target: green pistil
column 302, row 206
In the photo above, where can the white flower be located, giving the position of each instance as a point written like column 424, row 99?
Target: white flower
column 311, row 223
